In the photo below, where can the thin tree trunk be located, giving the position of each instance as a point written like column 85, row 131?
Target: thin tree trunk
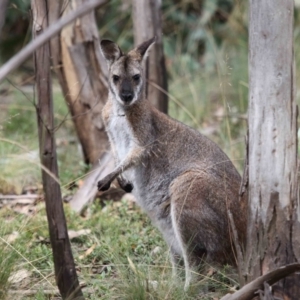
column 65, row 273
column 146, row 24
column 273, row 229
column 3, row 5
column 81, row 72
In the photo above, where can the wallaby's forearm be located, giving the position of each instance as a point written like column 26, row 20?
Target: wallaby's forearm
column 132, row 159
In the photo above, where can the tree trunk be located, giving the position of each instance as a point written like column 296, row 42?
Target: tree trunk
column 3, row 5
column 273, row 229
column 81, row 72
column 65, row 273
column 146, row 24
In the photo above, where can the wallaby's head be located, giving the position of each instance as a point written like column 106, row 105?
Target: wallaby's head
column 126, row 76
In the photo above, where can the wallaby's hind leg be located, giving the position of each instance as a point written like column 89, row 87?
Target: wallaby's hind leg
column 181, row 244
column 190, row 260
column 200, row 229
column 176, row 261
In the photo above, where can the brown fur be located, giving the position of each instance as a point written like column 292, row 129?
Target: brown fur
column 183, row 181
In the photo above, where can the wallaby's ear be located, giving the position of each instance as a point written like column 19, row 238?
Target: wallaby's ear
column 110, row 51
column 143, row 49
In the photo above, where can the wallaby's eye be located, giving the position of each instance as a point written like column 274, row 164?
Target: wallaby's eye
column 116, row 78
column 136, row 77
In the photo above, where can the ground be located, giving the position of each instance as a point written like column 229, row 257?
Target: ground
column 118, row 253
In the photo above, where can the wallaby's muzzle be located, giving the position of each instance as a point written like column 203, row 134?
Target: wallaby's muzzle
column 127, row 93
column 126, row 97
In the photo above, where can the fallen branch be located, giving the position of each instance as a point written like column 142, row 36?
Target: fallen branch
column 88, row 191
column 247, row 292
column 25, row 196
column 45, row 292
column 50, row 32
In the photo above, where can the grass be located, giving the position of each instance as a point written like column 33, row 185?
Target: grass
column 8, row 259
column 124, row 256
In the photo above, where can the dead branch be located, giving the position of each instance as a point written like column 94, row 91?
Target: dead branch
column 87, row 192
column 247, row 292
column 50, row 32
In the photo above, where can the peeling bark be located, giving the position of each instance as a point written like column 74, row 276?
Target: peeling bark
column 81, row 73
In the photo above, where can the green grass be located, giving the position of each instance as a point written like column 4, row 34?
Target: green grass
column 121, row 264
column 8, row 259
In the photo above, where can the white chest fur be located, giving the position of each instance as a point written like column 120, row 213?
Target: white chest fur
column 122, row 139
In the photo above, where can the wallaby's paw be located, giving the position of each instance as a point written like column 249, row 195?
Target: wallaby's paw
column 128, row 188
column 103, row 186
column 125, row 185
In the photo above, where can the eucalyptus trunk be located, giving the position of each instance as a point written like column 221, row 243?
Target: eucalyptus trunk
column 273, row 229
column 81, row 72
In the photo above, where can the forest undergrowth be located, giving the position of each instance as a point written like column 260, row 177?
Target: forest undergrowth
column 118, row 253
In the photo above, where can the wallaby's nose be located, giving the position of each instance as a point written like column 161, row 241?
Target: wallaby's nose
column 126, row 96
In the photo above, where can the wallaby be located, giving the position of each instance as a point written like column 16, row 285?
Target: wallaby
column 181, row 179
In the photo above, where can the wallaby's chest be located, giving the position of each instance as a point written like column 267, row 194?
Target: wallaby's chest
column 121, row 135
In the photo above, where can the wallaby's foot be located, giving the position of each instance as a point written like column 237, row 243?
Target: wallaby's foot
column 103, row 185
column 125, row 185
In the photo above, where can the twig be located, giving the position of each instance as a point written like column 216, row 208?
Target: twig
column 45, row 292
column 50, row 32
column 239, row 252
